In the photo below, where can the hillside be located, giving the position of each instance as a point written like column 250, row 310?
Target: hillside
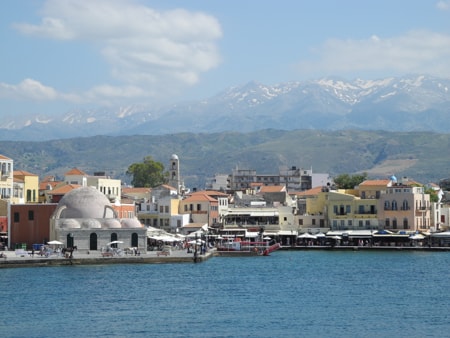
column 422, row 156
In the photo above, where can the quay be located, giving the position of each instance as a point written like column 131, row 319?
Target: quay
column 95, row 258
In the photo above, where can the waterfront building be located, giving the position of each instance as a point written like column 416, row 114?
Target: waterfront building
column 404, row 207
column 26, row 187
column 6, row 178
column 202, row 207
column 85, row 218
column 30, row 224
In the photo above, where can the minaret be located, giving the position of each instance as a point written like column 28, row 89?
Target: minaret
column 174, row 173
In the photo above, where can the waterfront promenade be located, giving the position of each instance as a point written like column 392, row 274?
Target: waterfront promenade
column 94, row 257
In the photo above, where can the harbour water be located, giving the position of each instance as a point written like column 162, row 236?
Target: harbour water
column 289, row 294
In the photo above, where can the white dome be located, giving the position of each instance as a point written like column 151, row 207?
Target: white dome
column 84, row 202
column 174, row 157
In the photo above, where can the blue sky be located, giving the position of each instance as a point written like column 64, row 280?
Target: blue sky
column 59, row 55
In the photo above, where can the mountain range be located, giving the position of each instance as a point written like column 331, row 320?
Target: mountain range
column 404, row 104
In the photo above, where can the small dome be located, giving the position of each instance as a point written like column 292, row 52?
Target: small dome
column 393, row 178
column 111, row 223
column 130, row 223
column 84, row 202
column 91, row 224
column 70, row 224
column 174, row 157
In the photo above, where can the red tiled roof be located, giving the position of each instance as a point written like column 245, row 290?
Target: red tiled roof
column 310, row 192
column 375, row 183
column 64, row 189
column 272, row 188
column 200, row 198
column 44, row 185
column 75, row 171
column 22, row 173
column 2, row 157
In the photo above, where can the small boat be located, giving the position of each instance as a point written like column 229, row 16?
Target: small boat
column 244, row 248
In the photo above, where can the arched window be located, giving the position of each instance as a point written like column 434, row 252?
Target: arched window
column 134, row 240
column 93, row 241
column 405, row 223
column 387, row 205
column 405, row 205
column 113, row 239
column 394, row 205
column 387, row 223
column 394, row 223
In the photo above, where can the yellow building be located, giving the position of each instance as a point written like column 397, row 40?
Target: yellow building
column 26, row 187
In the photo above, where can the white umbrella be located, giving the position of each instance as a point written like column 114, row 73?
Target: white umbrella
column 55, row 243
column 306, row 235
column 115, row 242
column 267, row 238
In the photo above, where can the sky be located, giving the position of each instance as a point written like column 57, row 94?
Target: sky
column 62, row 55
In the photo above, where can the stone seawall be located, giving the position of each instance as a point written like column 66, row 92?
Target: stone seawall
column 90, row 259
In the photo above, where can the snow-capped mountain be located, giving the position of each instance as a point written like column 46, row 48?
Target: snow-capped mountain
column 409, row 103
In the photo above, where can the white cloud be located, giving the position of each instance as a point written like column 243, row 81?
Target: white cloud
column 443, row 5
column 415, row 52
column 160, row 51
column 28, row 89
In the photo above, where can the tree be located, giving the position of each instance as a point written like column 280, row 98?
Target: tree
column 147, row 174
column 345, row 181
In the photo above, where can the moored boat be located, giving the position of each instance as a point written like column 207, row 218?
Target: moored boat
column 246, row 248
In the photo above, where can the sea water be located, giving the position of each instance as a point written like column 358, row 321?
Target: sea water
column 288, row 294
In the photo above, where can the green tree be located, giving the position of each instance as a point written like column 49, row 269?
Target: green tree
column 346, row 181
column 148, row 173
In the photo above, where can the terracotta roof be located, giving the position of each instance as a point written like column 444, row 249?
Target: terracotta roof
column 64, row 189
column 75, row 171
column 200, row 198
column 2, row 157
column 375, row 183
column 44, row 185
column 311, row 192
column 22, row 173
column 272, row 188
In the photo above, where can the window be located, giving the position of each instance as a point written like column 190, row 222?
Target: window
column 367, row 223
column 322, row 223
column 16, row 217
column 199, row 207
column 30, row 215
column 361, row 209
column 350, row 223
column 405, row 223
column 335, row 209
column 166, row 209
column 394, row 223
column 360, row 223
column 348, row 209
column 405, row 205
column 161, row 209
column 387, row 223
column 387, row 205
column 300, row 222
column 394, row 205
column 313, row 221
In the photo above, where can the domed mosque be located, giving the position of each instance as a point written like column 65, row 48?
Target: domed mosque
column 86, row 219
